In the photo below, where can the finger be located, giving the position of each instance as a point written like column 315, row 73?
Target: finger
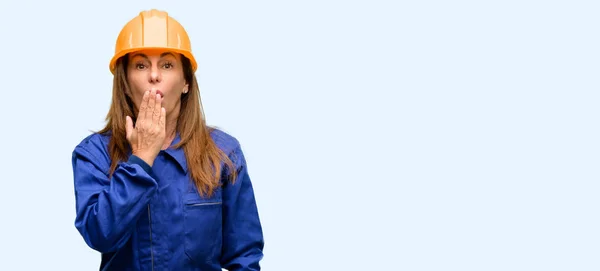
column 128, row 127
column 157, row 110
column 151, row 103
column 143, row 108
column 163, row 117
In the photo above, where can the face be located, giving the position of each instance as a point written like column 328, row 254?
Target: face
column 158, row 70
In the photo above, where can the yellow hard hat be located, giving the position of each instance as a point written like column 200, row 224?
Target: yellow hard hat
column 153, row 29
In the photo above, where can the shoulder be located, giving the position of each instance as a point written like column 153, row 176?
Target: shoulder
column 230, row 145
column 94, row 142
column 93, row 147
column 225, row 141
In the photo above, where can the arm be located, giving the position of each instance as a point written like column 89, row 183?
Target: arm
column 242, row 232
column 107, row 209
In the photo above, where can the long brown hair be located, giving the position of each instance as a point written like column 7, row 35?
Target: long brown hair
column 202, row 154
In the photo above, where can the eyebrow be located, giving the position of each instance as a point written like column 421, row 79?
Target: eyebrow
column 146, row 57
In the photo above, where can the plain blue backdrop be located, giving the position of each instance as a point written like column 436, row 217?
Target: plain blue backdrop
column 380, row 135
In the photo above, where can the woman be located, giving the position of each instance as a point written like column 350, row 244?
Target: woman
column 156, row 189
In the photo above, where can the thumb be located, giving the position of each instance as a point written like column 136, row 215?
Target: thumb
column 128, row 127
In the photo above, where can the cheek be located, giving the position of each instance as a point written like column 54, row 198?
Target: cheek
column 170, row 101
column 136, row 86
column 136, row 97
column 136, row 94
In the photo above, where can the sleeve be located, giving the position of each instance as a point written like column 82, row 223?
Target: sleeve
column 107, row 209
column 242, row 232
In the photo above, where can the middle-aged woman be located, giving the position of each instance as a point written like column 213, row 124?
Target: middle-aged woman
column 157, row 189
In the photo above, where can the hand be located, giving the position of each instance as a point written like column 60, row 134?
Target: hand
column 148, row 136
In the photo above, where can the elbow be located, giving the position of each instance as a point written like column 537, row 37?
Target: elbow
column 101, row 240
column 247, row 257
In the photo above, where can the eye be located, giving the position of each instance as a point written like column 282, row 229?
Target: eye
column 168, row 65
column 140, row 66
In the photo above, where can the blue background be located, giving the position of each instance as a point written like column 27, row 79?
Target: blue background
column 380, row 135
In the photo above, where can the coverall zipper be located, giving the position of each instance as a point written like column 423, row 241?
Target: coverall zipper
column 150, row 225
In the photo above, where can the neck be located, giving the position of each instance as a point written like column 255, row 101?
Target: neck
column 170, row 129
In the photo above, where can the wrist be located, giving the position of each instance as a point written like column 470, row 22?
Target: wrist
column 148, row 159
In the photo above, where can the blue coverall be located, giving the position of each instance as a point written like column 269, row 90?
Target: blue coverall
column 153, row 218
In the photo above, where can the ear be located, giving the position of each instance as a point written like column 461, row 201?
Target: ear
column 186, row 88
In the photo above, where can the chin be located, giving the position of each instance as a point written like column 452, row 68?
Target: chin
column 169, row 111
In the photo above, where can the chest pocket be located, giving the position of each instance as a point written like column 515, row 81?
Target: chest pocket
column 203, row 226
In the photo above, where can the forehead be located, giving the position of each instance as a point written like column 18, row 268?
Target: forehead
column 154, row 54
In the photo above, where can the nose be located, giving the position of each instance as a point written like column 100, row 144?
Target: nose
column 155, row 75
